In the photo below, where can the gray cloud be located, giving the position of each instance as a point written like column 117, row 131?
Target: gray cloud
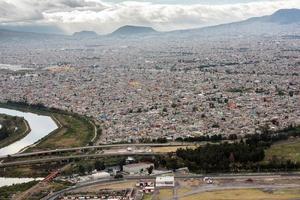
column 11, row 12
column 76, row 15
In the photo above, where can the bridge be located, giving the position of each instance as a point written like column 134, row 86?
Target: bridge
column 97, row 147
column 66, row 158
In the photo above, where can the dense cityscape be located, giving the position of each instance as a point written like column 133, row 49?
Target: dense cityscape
column 153, row 89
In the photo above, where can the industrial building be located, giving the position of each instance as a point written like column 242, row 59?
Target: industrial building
column 165, row 181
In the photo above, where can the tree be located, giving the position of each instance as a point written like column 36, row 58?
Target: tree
column 231, row 157
column 118, row 176
column 195, row 108
column 89, row 168
column 121, row 163
column 172, row 163
column 150, row 169
column 232, row 137
column 173, row 105
column 99, row 165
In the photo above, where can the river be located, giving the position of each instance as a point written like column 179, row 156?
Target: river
column 11, row 181
column 40, row 127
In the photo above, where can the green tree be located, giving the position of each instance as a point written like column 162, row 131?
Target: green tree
column 150, row 169
column 99, row 165
column 81, row 169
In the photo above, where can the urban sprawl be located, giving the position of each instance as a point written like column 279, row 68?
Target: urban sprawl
column 160, row 87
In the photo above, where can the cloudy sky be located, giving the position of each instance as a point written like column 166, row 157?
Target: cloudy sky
column 104, row 16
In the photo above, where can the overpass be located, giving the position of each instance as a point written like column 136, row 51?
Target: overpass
column 97, row 147
column 65, row 158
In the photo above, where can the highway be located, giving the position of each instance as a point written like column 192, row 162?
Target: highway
column 61, row 158
column 97, row 147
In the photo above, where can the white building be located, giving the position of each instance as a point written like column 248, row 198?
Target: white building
column 136, row 168
column 165, row 181
column 100, row 175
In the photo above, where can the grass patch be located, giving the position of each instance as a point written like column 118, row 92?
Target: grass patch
column 245, row 194
column 287, row 150
column 169, row 149
column 147, row 197
column 124, row 185
column 74, row 131
column 165, row 194
column 7, row 192
column 34, row 171
column 44, row 189
column 120, row 185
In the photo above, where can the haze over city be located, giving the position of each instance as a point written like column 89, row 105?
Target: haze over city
column 68, row 16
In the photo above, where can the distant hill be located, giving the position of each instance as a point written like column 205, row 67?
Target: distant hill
column 133, row 30
column 85, row 34
column 10, row 35
column 284, row 21
column 284, row 16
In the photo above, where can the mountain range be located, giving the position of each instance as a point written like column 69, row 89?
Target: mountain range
column 281, row 22
column 284, row 20
column 133, row 30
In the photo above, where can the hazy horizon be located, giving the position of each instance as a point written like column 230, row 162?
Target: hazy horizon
column 69, row 16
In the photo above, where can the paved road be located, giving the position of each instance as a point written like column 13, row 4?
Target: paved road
column 202, row 189
column 18, row 155
column 209, row 188
column 57, row 194
column 61, row 158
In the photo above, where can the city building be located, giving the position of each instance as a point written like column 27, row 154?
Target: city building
column 164, row 181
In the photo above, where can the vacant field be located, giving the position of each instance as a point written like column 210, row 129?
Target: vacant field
column 164, row 194
column 246, row 194
column 286, row 150
column 120, row 185
column 147, row 197
column 168, row 149
column 16, row 128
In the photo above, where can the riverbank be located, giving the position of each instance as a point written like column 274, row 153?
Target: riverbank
column 23, row 129
column 40, row 126
column 73, row 130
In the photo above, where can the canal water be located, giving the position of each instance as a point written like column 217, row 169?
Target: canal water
column 10, row 181
column 40, row 127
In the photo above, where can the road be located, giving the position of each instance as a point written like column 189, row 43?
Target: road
column 61, row 158
column 202, row 189
column 97, row 147
column 209, row 188
column 78, row 186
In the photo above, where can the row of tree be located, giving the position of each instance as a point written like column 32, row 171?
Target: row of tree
column 220, row 157
column 244, row 155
